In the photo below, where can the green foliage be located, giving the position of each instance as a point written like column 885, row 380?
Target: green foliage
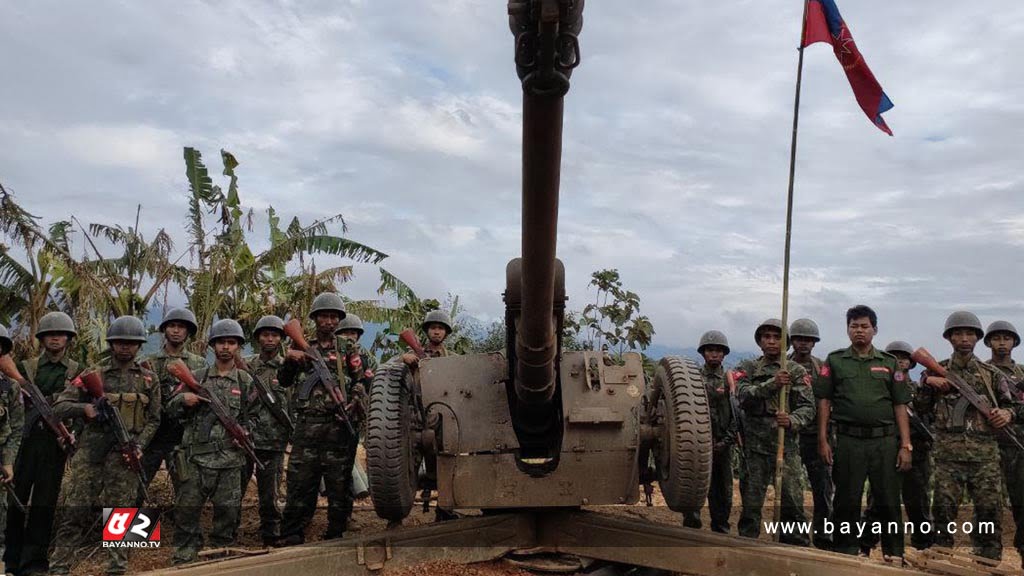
column 614, row 320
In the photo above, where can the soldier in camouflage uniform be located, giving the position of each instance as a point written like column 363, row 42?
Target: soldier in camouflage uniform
column 437, row 325
column 322, row 447
column 269, row 433
column 361, row 367
column 39, row 467
column 758, row 384
column 177, row 326
column 12, row 423
column 1002, row 338
column 99, row 476
column 208, row 461
column 714, row 347
column 966, row 450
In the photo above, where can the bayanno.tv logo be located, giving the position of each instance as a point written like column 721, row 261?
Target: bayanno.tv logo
column 131, row 528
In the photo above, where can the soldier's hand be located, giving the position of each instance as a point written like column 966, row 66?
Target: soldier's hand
column 90, row 411
column 825, row 452
column 782, row 419
column 999, row 418
column 191, row 399
column 293, row 355
column 8, row 474
column 904, row 459
column 410, row 359
column 782, row 378
column 938, row 382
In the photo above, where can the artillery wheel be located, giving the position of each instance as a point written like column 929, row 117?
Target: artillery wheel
column 683, row 451
column 392, row 456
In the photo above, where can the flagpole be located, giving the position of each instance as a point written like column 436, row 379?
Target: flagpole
column 784, row 392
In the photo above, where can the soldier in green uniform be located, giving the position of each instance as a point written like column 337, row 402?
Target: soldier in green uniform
column 269, row 432
column 177, row 326
column 39, row 467
column 865, row 394
column 322, row 447
column 758, row 384
column 99, row 476
column 714, row 347
column 361, row 367
column 209, row 462
column 803, row 335
column 1002, row 338
column 12, row 423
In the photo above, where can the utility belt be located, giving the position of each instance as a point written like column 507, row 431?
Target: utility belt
column 210, row 447
column 866, row 432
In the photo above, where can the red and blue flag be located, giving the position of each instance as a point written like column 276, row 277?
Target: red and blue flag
column 825, row 24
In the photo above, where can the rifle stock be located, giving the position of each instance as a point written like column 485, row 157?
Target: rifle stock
column 65, row 438
column 409, row 337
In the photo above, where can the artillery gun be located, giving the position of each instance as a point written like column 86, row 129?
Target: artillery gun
column 538, row 427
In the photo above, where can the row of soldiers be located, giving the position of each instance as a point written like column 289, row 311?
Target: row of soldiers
column 858, row 416
column 177, row 427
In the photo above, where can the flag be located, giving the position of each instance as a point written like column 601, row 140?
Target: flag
column 825, row 24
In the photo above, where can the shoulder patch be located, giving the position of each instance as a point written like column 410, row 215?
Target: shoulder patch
column 738, row 374
column 807, row 379
column 825, row 371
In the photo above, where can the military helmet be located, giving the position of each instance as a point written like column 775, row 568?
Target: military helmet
column 269, row 322
column 438, row 317
column 127, row 328
column 183, row 315
column 351, row 322
column 963, row 319
column 6, row 344
column 901, row 346
column 56, row 322
column 1002, row 326
column 713, row 338
column 327, row 301
column 226, row 328
column 769, row 323
column 806, row 328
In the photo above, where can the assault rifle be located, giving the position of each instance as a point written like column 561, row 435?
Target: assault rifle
column 980, row 403
column 92, row 384
column 9, row 486
column 65, row 438
column 293, row 329
column 266, row 396
column 352, row 353
column 918, row 425
column 238, row 435
column 734, row 403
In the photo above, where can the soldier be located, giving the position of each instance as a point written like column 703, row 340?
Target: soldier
column 99, row 476
column 177, row 326
column 12, row 423
column 39, row 467
column 361, row 368
column 270, row 425
column 803, row 335
column 1002, row 338
column 437, row 325
column 321, row 444
column 208, row 461
column 758, row 386
column 714, row 347
column 866, row 396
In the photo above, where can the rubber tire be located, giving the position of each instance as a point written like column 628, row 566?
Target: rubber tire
column 683, row 459
column 392, row 459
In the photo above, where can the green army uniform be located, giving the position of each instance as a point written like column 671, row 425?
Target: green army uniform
column 38, row 470
column 1011, row 458
column 209, row 464
column 723, row 438
column 758, row 397
column 12, row 424
column 168, row 436
column 863, row 391
column 270, row 438
column 819, row 473
column 99, row 477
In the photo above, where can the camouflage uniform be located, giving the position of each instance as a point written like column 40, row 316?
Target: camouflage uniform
column 819, row 473
column 724, row 437
column 98, row 476
column 168, row 436
column 758, row 397
column 270, row 438
column 1011, row 458
column 12, row 423
column 967, row 453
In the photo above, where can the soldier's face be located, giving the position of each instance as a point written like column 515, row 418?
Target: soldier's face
column 176, row 332
column 770, row 342
column 225, row 349
column 963, row 340
column 436, row 333
column 270, row 340
column 350, row 335
column 326, row 322
column 1001, row 343
column 713, row 355
column 902, row 361
column 860, row 331
column 802, row 345
column 124, row 351
column 55, row 343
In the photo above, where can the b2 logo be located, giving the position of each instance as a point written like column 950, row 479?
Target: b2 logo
column 131, row 528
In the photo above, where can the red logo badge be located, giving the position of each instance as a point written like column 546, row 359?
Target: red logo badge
column 807, row 379
column 131, row 528
column 737, row 374
column 825, row 371
column 236, row 392
column 880, row 369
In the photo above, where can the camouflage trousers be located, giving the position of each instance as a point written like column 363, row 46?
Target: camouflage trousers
column 3, row 523
column 760, row 473
column 1012, row 463
column 268, row 481
column 319, row 451
column 88, row 489
column 719, row 494
column 819, row 476
column 199, row 484
column 981, row 482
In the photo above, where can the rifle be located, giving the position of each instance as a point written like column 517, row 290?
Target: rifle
column 9, row 486
column 734, row 403
column 918, row 425
column 409, row 337
column 980, row 403
column 266, row 395
column 352, row 353
column 92, row 384
column 293, row 329
column 65, row 438
column 238, row 435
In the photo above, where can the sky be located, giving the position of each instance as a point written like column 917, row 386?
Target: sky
column 405, row 117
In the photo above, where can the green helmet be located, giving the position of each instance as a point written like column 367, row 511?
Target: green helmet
column 438, row 317
column 127, row 328
column 713, row 338
column 6, row 344
column 769, row 323
column 269, row 322
column 351, row 322
column 56, row 322
column 806, row 328
column 183, row 315
column 901, row 346
column 1002, row 326
column 226, row 328
column 327, row 301
column 963, row 319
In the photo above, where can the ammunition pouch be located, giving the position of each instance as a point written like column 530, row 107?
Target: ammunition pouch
column 132, row 406
column 180, row 466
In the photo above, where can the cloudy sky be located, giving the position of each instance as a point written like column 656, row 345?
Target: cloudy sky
column 405, row 116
